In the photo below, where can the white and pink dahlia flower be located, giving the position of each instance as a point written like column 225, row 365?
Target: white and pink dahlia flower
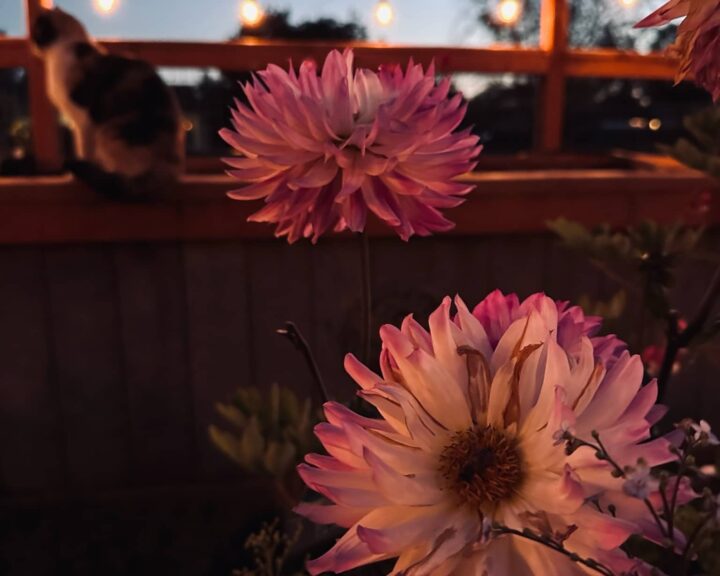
column 324, row 149
column 698, row 39
column 471, row 413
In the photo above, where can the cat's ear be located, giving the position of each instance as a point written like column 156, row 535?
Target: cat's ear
column 44, row 32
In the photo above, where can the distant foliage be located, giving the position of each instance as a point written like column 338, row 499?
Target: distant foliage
column 276, row 24
column 644, row 256
column 702, row 149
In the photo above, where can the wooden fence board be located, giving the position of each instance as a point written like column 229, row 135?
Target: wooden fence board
column 154, row 344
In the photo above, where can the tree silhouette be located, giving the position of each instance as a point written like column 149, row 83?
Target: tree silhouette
column 276, row 24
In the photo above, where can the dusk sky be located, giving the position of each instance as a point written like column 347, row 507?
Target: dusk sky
column 450, row 22
column 438, row 22
column 417, row 21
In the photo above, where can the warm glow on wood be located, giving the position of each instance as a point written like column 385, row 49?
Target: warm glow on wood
column 106, row 6
column 251, row 13
column 508, row 12
column 384, row 13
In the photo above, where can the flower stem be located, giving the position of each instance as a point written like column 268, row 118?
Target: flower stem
column 292, row 333
column 686, row 555
column 557, row 546
column 366, row 297
column 673, row 500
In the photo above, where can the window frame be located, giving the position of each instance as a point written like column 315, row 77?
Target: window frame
column 553, row 61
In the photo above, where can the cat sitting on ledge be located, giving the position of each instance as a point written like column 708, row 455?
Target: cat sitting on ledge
column 126, row 122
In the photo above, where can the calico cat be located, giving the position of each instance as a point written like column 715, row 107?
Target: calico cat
column 126, row 121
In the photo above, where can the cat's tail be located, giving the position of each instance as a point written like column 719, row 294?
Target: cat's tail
column 142, row 188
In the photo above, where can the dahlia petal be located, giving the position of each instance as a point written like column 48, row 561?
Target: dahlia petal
column 458, row 532
column 344, row 516
column 541, row 560
column 339, row 414
column 420, row 524
column 418, row 367
column 408, row 490
column 504, row 557
column 417, row 334
column 365, row 378
column 445, row 348
column 334, row 440
column 378, row 202
column 354, row 212
column 348, row 553
column 319, row 173
column 423, row 428
column 472, row 329
column 618, row 388
column 666, row 13
column 557, row 373
column 527, row 331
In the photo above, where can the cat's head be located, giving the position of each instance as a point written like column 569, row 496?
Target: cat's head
column 55, row 26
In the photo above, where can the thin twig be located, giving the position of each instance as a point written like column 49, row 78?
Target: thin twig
column 677, row 340
column 706, row 305
column 292, row 333
column 366, row 297
column 602, row 454
column 558, row 547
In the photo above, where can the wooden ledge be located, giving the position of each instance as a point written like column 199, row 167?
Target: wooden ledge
column 50, row 210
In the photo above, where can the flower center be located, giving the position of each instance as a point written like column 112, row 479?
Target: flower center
column 482, row 466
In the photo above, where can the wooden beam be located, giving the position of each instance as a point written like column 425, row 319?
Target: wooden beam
column 550, row 111
column 53, row 210
column 616, row 64
column 43, row 118
column 13, row 53
column 253, row 54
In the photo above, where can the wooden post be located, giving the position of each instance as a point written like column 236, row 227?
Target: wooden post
column 554, row 25
column 43, row 118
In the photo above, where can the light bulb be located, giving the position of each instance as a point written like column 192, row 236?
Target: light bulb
column 627, row 3
column 508, row 12
column 384, row 13
column 251, row 13
column 106, row 6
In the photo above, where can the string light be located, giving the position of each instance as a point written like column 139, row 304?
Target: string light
column 251, row 13
column 384, row 13
column 106, row 6
column 47, row 4
column 627, row 3
column 508, row 12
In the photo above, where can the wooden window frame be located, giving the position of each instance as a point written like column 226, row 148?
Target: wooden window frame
column 553, row 61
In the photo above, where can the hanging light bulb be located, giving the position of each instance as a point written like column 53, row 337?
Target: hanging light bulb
column 47, row 4
column 508, row 12
column 251, row 13
column 627, row 3
column 106, row 6
column 384, row 13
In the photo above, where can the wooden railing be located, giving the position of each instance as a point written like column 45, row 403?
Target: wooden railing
column 553, row 61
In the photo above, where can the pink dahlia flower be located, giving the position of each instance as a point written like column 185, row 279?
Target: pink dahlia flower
column 698, row 39
column 471, row 413
column 323, row 149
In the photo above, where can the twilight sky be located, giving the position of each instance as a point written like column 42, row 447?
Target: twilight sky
column 417, row 21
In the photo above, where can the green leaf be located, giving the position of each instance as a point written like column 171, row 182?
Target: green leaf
column 228, row 443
